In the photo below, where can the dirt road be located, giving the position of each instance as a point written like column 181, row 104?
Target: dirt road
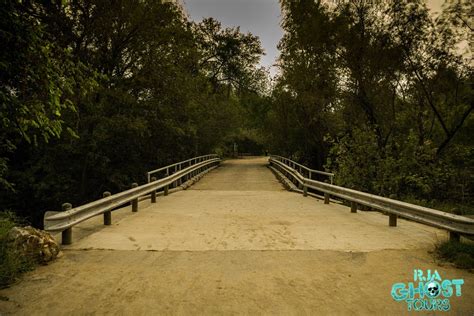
column 236, row 243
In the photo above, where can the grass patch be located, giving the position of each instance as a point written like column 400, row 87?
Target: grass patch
column 459, row 253
column 11, row 263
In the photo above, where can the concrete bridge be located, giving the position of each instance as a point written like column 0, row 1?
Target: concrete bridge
column 235, row 242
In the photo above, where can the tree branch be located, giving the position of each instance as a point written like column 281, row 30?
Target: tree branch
column 455, row 130
column 428, row 96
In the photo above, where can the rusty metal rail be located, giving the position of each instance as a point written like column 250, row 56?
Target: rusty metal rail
column 64, row 221
column 456, row 225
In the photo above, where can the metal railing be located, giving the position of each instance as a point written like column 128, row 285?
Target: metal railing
column 302, row 169
column 178, row 166
column 456, row 225
column 64, row 221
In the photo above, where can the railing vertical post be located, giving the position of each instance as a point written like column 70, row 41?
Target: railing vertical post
column 455, row 237
column 153, row 193
column 66, row 235
column 108, row 214
column 166, row 190
column 176, row 183
column 326, row 198
column 135, row 202
column 392, row 220
column 305, row 190
column 353, row 207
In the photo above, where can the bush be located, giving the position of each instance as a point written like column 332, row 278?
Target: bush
column 405, row 169
column 459, row 253
column 11, row 264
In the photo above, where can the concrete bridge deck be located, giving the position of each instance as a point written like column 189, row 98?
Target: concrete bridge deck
column 235, row 242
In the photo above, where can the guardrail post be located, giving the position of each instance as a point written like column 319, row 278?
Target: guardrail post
column 353, row 207
column 135, row 202
column 326, row 198
column 166, row 190
column 153, row 193
column 108, row 214
column 392, row 220
column 66, row 235
column 453, row 236
column 305, row 190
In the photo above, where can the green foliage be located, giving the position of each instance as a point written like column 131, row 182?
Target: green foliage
column 379, row 94
column 375, row 92
column 11, row 264
column 229, row 56
column 460, row 253
column 135, row 84
column 33, row 83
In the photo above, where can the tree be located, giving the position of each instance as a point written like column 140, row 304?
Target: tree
column 127, row 80
column 36, row 79
column 378, row 91
column 229, row 57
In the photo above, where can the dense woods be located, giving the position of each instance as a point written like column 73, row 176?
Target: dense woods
column 381, row 94
column 95, row 93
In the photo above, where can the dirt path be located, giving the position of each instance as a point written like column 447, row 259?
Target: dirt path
column 235, row 243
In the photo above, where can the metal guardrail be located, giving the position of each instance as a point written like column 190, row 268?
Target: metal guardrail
column 456, row 225
column 179, row 165
column 64, row 221
column 309, row 172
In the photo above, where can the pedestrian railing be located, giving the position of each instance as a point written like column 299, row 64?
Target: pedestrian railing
column 185, row 170
column 456, row 225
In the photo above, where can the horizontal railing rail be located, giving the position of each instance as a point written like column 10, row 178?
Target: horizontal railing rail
column 301, row 167
column 64, row 221
column 179, row 165
column 456, row 225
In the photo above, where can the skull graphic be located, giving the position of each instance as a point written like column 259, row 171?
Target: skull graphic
column 432, row 289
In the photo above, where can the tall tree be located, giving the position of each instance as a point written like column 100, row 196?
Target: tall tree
column 230, row 57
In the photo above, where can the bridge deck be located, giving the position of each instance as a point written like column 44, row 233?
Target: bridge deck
column 236, row 242
column 243, row 207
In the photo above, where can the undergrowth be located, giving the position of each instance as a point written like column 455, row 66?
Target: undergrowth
column 11, row 263
column 459, row 253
